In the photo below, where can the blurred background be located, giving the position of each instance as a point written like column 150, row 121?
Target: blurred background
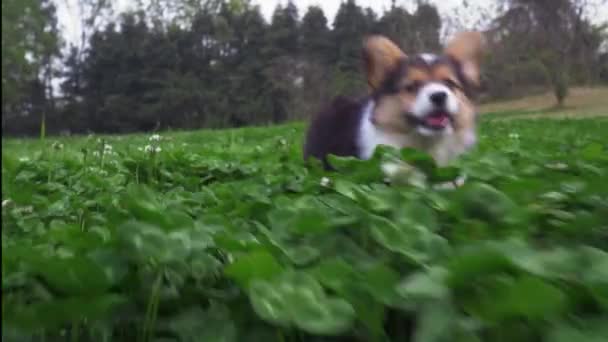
column 83, row 66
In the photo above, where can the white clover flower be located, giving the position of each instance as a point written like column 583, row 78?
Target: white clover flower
column 557, row 166
column 107, row 149
column 158, row 149
column 6, row 203
column 155, row 137
column 148, row 148
column 390, row 169
column 325, row 181
column 403, row 173
column 57, row 145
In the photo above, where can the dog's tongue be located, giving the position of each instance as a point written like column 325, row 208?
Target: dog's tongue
column 437, row 120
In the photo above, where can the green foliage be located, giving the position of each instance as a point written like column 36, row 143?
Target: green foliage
column 175, row 64
column 227, row 236
column 30, row 42
column 169, row 64
column 554, row 37
column 298, row 299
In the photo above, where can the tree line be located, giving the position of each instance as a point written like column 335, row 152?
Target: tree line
column 186, row 64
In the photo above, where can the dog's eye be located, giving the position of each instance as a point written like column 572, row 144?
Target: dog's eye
column 450, row 83
column 413, row 87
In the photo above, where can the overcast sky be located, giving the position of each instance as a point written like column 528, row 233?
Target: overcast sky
column 68, row 15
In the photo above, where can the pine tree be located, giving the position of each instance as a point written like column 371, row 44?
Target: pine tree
column 283, row 35
column 428, row 26
column 398, row 25
column 350, row 27
column 315, row 35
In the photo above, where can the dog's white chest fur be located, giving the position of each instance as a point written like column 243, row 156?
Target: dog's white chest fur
column 451, row 146
column 442, row 149
column 370, row 136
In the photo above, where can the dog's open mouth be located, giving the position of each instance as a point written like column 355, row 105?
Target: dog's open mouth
column 436, row 120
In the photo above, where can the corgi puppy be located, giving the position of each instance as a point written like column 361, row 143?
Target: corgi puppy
column 423, row 101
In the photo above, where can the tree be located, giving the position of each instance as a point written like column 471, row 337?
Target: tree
column 427, row 23
column 93, row 15
column 181, row 64
column 350, row 27
column 283, row 35
column 552, row 29
column 316, row 54
column 315, row 35
column 30, row 43
column 250, row 86
column 284, row 68
column 398, row 25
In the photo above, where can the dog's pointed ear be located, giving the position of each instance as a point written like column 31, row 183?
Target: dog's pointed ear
column 468, row 48
column 380, row 56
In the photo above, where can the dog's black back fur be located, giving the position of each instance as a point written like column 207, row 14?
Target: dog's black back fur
column 334, row 130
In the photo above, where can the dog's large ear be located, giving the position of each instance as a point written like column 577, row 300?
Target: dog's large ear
column 380, row 56
column 468, row 48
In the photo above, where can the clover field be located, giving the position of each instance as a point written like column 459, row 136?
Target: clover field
column 227, row 236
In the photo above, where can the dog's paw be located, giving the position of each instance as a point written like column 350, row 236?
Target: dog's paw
column 458, row 182
column 399, row 172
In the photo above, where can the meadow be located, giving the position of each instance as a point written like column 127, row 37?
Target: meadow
column 227, row 236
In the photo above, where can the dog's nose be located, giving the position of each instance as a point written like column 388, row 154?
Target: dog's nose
column 439, row 98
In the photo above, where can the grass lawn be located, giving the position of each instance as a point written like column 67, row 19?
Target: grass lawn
column 581, row 103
